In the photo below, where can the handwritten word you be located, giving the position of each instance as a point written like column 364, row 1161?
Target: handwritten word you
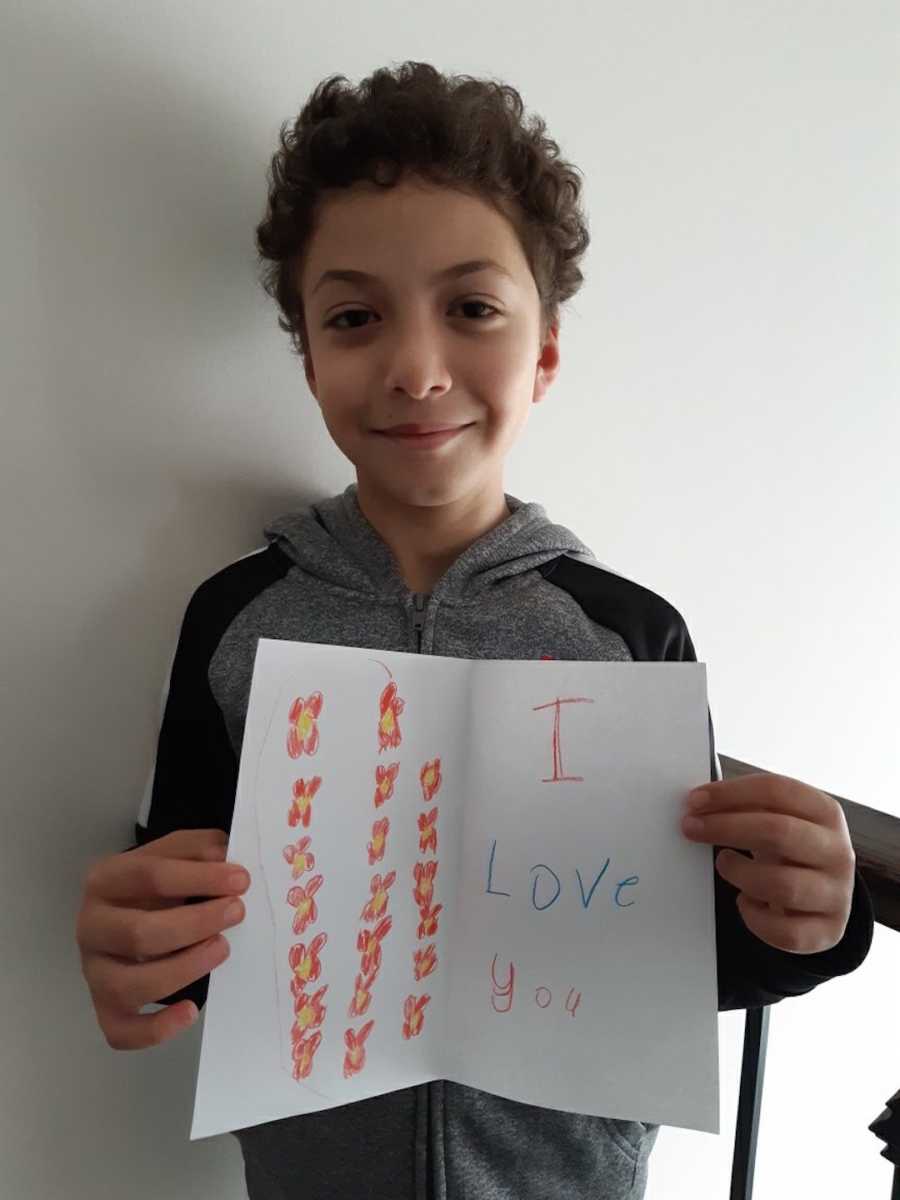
column 548, row 883
column 504, row 991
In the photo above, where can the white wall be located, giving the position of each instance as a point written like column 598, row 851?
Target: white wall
column 724, row 429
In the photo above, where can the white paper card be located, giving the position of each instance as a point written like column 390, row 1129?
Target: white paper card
column 470, row 870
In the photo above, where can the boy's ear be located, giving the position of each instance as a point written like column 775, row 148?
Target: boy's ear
column 547, row 364
column 311, row 377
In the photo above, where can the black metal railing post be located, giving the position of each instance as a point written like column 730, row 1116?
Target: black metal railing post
column 753, row 1069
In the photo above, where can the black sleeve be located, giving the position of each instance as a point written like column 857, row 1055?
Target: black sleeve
column 751, row 973
column 195, row 774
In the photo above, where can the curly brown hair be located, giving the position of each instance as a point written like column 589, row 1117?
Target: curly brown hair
column 454, row 131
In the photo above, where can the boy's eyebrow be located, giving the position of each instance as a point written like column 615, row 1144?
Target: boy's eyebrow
column 454, row 272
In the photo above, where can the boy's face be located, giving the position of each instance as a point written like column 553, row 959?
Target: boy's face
column 421, row 351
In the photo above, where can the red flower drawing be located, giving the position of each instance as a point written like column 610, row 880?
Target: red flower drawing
column 301, row 807
column 302, row 1053
column 368, row 941
column 379, row 836
column 305, row 963
column 355, row 1058
column 424, row 961
column 413, row 1012
column 303, row 735
column 302, row 900
column 309, row 1012
column 391, row 707
column 430, row 779
column 362, row 995
column 424, row 873
column 385, row 777
column 373, row 909
column 428, row 832
column 299, row 857
column 428, row 925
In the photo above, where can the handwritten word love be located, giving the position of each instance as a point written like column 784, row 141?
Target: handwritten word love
column 546, row 877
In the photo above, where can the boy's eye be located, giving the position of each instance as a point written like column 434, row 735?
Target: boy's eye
column 357, row 312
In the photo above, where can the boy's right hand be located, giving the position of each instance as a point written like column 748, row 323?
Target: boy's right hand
column 140, row 941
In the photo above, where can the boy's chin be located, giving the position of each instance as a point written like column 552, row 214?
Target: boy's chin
column 412, row 492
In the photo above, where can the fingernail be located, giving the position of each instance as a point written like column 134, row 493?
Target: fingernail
column 696, row 800
column 238, row 880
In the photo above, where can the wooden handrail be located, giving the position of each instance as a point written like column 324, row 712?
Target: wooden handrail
column 876, row 839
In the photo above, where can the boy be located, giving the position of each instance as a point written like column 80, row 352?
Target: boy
column 427, row 553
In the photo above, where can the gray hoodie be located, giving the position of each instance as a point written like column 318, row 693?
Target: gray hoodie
column 527, row 589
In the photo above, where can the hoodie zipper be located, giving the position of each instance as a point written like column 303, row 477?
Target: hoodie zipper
column 419, row 600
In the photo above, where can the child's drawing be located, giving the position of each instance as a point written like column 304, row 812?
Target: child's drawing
column 303, row 736
column 388, row 727
column 379, row 836
column 302, row 900
column 385, row 777
column 309, row 1011
column 301, row 808
column 428, row 926
column 300, row 857
column 423, row 873
column 413, row 1007
column 369, row 941
column 430, row 779
column 374, row 908
column 355, row 1058
column 304, row 963
column 362, row 994
column 428, row 831
column 302, row 1053
column 424, row 961
column 515, row 912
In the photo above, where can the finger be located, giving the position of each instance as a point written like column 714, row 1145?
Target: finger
column 789, row 839
column 124, row 986
column 795, row 891
column 132, row 879
column 774, row 793
column 124, row 1032
column 134, row 935
column 797, row 935
column 117, row 1002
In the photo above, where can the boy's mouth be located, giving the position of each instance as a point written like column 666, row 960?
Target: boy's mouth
column 422, row 435
column 417, row 429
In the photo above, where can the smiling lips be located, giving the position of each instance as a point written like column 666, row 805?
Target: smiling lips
column 422, row 436
column 418, row 430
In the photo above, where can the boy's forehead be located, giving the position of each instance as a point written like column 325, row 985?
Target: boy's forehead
column 430, row 230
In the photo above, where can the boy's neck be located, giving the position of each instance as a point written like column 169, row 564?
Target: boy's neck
column 426, row 540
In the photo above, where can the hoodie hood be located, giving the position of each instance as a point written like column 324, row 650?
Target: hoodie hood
column 334, row 541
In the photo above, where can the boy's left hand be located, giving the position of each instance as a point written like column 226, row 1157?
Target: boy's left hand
column 796, row 891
